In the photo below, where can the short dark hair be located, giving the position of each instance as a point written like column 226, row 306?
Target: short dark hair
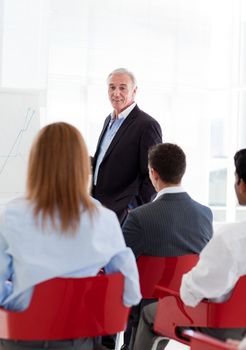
column 169, row 161
column 240, row 164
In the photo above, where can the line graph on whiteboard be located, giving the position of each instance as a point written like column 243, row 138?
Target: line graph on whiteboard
column 18, row 127
column 15, row 148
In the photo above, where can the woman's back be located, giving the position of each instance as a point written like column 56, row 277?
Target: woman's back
column 57, row 229
column 41, row 252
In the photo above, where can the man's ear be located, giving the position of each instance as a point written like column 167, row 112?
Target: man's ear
column 154, row 174
column 242, row 186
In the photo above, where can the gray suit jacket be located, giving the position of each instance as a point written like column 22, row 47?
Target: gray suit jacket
column 172, row 225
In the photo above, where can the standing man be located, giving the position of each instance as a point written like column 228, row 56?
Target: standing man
column 120, row 171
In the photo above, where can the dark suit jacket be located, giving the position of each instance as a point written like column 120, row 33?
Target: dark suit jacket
column 123, row 174
column 172, row 225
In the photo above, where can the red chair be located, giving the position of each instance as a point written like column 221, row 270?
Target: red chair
column 69, row 308
column 199, row 341
column 172, row 313
column 164, row 271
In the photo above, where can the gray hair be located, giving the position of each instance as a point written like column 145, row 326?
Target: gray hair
column 123, row 71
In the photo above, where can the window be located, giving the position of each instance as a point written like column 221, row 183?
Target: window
column 189, row 59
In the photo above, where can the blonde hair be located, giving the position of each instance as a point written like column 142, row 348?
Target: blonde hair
column 58, row 175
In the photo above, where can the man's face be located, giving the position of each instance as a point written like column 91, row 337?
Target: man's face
column 121, row 92
column 240, row 190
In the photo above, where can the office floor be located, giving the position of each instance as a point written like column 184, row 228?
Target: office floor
column 173, row 345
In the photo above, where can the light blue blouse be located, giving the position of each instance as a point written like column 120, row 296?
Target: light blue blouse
column 30, row 253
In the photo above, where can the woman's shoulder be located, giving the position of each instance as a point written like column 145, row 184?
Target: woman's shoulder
column 18, row 203
column 103, row 212
column 15, row 210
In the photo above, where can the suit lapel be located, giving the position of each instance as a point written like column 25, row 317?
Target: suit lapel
column 126, row 124
column 105, row 125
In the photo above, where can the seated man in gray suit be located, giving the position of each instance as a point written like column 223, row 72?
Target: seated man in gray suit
column 173, row 224
column 212, row 277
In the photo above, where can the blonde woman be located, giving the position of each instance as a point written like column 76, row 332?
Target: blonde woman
column 57, row 229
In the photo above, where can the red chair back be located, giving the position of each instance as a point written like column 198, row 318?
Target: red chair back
column 173, row 314
column 166, row 271
column 199, row 341
column 69, row 308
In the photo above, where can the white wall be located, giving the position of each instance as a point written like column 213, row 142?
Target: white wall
column 188, row 56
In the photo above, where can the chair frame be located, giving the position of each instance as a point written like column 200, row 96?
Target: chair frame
column 69, row 308
column 199, row 341
column 164, row 271
column 173, row 314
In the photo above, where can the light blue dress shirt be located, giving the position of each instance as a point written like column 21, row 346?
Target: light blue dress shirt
column 113, row 127
column 30, row 254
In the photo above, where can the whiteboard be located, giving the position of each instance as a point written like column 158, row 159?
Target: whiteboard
column 19, row 124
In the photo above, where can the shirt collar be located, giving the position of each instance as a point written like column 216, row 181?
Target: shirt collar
column 124, row 113
column 172, row 189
